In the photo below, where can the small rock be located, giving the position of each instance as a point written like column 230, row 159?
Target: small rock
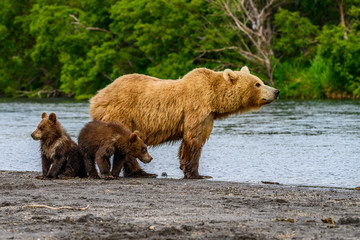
column 290, row 220
column 187, row 228
column 5, row 204
column 328, row 220
column 86, row 218
column 164, row 174
column 280, row 200
column 152, row 227
column 69, row 220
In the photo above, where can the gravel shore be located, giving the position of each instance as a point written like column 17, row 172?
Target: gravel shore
column 172, row 209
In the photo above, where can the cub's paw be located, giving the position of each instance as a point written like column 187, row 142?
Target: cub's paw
column 108, row 177
column 66, row 177
column 93, row 176
column 43, row 178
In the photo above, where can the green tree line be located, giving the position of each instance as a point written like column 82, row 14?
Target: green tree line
column 307, row 48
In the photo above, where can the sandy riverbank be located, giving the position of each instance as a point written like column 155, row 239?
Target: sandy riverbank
column 172, row 209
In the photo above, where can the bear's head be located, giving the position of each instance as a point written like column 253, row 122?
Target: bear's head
column 48, row 128
column 244, row 92
column 137, row 148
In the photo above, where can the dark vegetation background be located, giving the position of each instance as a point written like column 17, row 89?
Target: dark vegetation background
column 307, row 48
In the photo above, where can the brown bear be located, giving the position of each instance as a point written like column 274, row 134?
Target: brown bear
column 60, row 155
column 171, row 110
column 98, row 141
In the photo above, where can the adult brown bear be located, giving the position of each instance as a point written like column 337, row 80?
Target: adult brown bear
column 171, row 110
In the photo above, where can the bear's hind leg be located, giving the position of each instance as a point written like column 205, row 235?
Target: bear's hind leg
column 56, row 167
column 70, row 169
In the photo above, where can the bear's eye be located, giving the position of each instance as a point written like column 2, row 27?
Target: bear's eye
column 41, row 128
column 143, row 150
column 258, row 84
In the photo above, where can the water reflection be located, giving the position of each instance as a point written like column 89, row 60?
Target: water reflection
column 291, row 142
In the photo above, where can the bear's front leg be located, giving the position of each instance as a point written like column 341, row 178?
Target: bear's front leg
column 45, row 164
column 194, row 139
column 133, row 169
column 103, row 163
column 189, row 155
column 118, row 163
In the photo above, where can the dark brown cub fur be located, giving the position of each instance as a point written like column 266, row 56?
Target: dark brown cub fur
column 60, row 155
column 98, row 141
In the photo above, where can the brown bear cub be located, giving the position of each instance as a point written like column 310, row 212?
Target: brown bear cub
column 60, row 155
column 98, row 141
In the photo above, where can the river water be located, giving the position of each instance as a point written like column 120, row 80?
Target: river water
column 313, row 143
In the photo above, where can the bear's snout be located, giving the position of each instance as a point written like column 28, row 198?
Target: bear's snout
column 277, row 92
column 35, row 136
column 147, row 158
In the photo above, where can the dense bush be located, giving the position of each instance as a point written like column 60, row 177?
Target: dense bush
column 80, row 46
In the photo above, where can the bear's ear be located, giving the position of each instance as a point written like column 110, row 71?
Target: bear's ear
column 43, row 115
column 229, row 75
column 52, row 117
column 139, row 134
column 134, row 136
column 245, row 69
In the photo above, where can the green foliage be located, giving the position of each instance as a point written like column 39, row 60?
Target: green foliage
column 343, row 56
column 296, row 34
column 80, row 46
column 300, row 82
column 162, row 34
column 332, row 69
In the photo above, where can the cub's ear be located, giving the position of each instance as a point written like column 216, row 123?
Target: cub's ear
column 134, row 136
column 52, row 117
column 229, row 75
column 139, row 134
column 43, row 115
column 245, row 69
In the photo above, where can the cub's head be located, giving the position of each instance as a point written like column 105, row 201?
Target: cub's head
column 246, row 92
column 137, row 148
column 47, row 128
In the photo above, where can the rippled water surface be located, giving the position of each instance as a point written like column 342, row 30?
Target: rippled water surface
column 291, row 142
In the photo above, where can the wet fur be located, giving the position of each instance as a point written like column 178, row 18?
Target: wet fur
column 184, row 109
column 98, row 141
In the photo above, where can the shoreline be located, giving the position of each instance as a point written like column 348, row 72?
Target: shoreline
column 163, row 208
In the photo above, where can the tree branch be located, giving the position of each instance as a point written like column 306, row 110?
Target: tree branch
column 77, row 22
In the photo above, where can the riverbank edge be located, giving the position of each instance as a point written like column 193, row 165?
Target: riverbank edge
column 261, row 183
column 162, row 208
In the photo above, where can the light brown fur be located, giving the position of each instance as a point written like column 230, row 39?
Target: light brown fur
column 171, row 110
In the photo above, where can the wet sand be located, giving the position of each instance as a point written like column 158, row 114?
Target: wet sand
column 172, row 209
